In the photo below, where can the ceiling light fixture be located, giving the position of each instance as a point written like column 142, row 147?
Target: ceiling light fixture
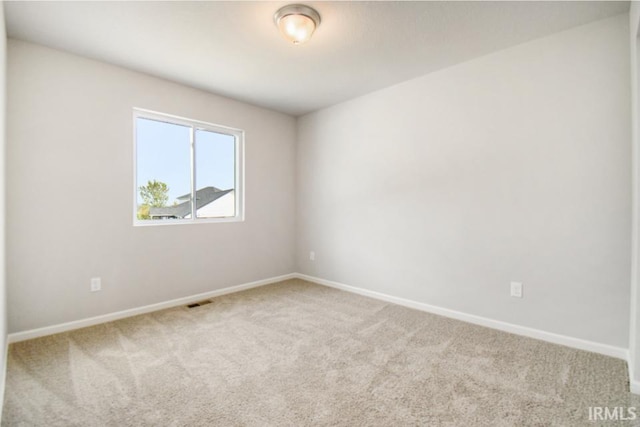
column 297, row 22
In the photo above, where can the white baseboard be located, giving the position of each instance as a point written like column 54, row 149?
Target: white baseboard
column 608, row 350
column 82, row 323
column 580, row 344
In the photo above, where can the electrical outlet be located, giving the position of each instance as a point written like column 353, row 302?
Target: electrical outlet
column 96, row 284
column 516, row 289
column 312, row 256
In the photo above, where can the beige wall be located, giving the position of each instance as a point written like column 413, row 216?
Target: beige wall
column 511, row 167
column 70, row 172
column 634, row 354
column 3, row 304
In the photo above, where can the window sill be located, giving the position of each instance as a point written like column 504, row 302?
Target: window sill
column 152, row 223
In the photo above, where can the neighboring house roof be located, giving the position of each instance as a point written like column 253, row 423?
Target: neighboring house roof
column 186, row 197
column 204, row 196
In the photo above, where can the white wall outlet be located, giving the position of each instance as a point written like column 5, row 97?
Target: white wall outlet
column 312, row 256
column 96, row 284
column 516, row 289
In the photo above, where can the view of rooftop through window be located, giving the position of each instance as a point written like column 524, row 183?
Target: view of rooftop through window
column 166, row 164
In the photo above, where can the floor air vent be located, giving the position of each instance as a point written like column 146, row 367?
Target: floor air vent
column 199, row 303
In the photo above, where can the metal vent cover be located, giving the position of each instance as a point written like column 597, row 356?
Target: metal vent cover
column 199, row 303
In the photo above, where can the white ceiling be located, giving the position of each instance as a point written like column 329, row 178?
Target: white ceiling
column 234, row 49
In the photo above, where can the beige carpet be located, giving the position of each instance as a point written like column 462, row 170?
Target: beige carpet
column 297, row 354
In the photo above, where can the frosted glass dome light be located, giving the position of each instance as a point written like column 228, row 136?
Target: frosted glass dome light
column 297, row 22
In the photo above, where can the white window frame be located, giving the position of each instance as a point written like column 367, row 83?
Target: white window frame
column 194, row 125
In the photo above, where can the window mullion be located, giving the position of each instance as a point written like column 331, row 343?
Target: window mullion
column 194, row 205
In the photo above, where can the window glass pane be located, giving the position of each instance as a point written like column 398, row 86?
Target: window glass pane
column 215, row 174
column 163, row 170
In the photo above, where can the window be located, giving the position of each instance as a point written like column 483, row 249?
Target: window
column 185, row 171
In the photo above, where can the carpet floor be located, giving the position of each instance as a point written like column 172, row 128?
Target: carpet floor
column 295, row 354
